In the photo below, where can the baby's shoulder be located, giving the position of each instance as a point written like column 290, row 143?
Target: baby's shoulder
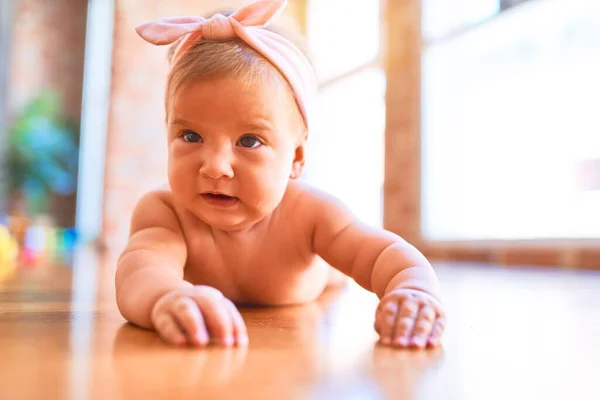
column 156, row 208
column 158, row 198
column 310, row 204
column 313, row 196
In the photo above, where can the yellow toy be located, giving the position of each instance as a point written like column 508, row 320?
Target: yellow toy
column 9, row 251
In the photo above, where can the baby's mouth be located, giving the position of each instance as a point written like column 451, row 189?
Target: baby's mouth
column 219, row 199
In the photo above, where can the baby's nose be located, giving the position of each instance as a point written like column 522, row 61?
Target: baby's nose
column 217, row 167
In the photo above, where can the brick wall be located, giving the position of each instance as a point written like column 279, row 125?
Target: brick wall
column 136, row 148
column 47, row 52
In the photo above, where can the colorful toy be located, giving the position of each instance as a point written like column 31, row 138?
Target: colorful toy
column 34, row 243
column 46, row 244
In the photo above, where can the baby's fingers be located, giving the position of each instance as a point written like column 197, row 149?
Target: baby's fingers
column 423, row 326
column 216, row 315
column 436, row 331
column 168, row 330
column 239, row 327
column 386, row 318
column 405, row 323
column 188, row 316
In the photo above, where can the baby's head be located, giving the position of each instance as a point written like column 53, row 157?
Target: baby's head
column 236, row 125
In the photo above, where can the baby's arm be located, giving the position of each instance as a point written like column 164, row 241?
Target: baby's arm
column 153, row 260
column 152, row 293
column 384, row 263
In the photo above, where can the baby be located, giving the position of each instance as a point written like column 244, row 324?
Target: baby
column 235, row 225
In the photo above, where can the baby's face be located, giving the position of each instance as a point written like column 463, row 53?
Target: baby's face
column 232, row 149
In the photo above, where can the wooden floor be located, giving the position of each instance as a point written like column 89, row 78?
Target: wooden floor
column 512, row 334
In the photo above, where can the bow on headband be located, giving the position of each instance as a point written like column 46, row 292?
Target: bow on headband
column 246, row 24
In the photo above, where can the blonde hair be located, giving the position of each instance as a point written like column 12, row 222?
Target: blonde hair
column 206, row 59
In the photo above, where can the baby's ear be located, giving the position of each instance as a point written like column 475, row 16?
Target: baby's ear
column 298, row 163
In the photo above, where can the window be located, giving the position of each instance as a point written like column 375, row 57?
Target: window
column 345, row 151
column 440, row 18
column 510, row 122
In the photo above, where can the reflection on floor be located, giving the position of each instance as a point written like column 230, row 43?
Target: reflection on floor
column 512, row 333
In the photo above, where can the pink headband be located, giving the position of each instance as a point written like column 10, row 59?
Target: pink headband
column 245, row 23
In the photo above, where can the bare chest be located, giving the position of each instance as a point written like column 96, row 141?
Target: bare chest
column 267, row 269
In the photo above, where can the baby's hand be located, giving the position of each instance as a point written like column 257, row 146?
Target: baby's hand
column 197, row 314
column 407, row 317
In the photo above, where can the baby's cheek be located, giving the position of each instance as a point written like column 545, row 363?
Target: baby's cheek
column 178, row 149
column 183, row 157
column 182, row 174
column 268, row 187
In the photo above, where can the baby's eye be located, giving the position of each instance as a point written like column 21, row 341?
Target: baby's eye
column 192, row 137
column 249, row 141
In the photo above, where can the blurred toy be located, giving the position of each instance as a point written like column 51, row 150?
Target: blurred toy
column 34, row 243
column 46, row 244
column 9, row 251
